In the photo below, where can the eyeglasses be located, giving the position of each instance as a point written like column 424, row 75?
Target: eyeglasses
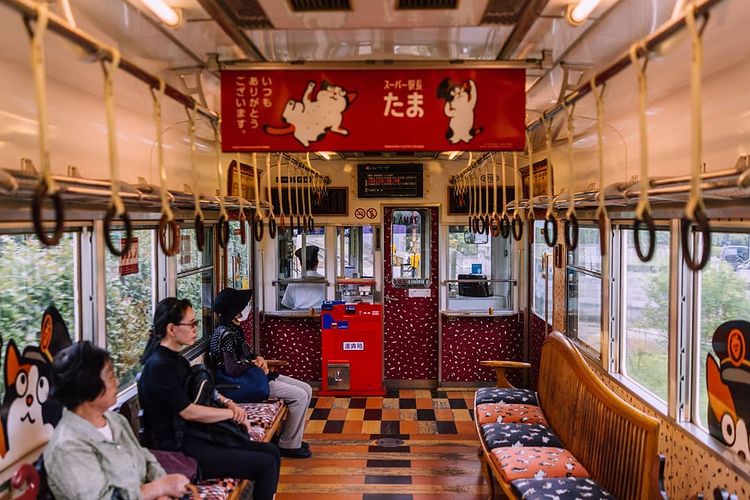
column 192, row 324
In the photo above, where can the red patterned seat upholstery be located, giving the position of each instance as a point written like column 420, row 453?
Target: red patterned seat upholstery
column 216, row 489
column 503, row 413
column 536, row 463
column 262, row 414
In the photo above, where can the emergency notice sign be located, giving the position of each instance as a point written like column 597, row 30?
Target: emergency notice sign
column 373, row 110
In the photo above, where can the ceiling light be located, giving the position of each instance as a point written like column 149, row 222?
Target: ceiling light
column 168, row 15
column 579, row 11
column 326, row 155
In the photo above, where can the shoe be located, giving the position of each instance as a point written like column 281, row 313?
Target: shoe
column 305, row 445
column 300, row 452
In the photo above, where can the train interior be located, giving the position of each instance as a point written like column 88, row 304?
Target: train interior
column 627, row 127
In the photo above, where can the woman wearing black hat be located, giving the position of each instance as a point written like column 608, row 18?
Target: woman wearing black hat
column 232, row 357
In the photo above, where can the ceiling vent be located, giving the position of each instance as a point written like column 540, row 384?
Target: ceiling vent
column 426, row 4
column 247, row 14
column 503, row 11
column 319, row 5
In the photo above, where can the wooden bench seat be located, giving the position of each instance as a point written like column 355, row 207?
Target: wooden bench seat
column 606, row 442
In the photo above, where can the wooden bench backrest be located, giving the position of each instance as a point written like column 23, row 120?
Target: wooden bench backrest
column 617, row 443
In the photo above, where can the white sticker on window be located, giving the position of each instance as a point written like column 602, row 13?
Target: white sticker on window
column 420, row 292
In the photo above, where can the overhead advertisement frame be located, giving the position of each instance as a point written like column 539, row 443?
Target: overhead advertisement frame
column 400, row 109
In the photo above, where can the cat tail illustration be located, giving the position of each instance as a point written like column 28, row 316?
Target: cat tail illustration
column 271, row 130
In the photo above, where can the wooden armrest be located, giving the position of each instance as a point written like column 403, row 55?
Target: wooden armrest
column 500, row 367
column 273, row 364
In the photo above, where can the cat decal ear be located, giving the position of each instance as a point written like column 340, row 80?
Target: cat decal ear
column 443, row 90
column 324, row 85
column 46, row 336
column 12, row 364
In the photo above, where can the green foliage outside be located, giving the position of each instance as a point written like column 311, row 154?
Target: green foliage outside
column 34, row 277
column 724, row 297
column 129, row 308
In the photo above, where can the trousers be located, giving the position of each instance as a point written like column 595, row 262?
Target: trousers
column 297, row 395
column 257, row 461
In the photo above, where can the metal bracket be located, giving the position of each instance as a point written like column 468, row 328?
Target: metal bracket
column 27, row 167
column 74, row 172
column 568, row 71
column 197, row 88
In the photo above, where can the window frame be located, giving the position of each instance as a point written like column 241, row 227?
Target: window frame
column 496, row 247
column 209, row 239
column 278, row 296
column 598, row 356
column 548, row 314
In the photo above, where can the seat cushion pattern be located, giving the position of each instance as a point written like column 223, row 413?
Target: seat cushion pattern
column 503, row 395
column 536, row 463
column 568, row 488
column 216, row 489
column 507, row 435
column 502, row 413
column 262, row 414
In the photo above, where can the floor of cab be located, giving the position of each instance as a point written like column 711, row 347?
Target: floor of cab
column 437, row 459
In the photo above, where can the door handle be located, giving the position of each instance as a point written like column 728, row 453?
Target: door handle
column 391, row 299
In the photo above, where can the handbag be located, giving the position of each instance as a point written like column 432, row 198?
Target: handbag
column 201, row 390
column 249, row 387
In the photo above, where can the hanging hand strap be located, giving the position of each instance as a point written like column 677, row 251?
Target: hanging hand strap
column 223, row 223
column 569, row 111
column 548, row 142
column 278, row 185
column 109, row 103
column 157, row 96
column 268, row 184
column 200, row 233
column 40, row 87
column 530, row 148
column 643, row 203
column 601, row 211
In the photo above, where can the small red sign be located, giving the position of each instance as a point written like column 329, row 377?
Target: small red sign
column 359, row 213
column 129, row 261
column 373, row 109
column 371, row 213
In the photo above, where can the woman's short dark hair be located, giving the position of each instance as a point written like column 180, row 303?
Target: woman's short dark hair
column 76, row 374
column 169, row 310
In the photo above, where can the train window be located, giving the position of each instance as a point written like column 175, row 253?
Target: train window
column 35, row 277
column 644, row 314
column 238, row 257
column 541, row 300
column 195, row 276
column 302, row 264
column 130, row 285
column 355, row 263
column 584, row 284
column 724, row 296
column 410, row 247
column 473, row 257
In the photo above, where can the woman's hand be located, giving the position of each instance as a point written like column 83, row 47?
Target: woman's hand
column 261, row 363
column 238, row 414
column 171, row 486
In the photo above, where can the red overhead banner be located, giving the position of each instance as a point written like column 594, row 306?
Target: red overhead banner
column 373, row 110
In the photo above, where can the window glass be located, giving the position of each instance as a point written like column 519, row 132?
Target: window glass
column 302, row 258
column 35, row 277
column 724, row 296
column 130, row 298
column 409, row 246
column 355, row 256
column 473, row 257
column 195, row 276
column 645, row 314
column 542, row 274
column 238, row 257
column 585, row 290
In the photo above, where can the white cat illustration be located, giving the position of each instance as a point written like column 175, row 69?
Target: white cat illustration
column 460, row 100
column 27, row 391
column 309, row 120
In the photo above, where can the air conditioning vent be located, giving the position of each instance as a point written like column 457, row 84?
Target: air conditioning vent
column 426, row 4
column 503, row 12
column 319, row 5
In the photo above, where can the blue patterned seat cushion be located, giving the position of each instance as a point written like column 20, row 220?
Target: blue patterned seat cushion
column 568, row 488
column 502, row 395
column 507, row 435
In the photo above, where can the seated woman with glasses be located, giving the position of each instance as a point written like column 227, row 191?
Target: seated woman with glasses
column 167, row 405
column 93, row 452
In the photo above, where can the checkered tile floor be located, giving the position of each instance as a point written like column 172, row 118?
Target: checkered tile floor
column 437, row 457
column 407, row 412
